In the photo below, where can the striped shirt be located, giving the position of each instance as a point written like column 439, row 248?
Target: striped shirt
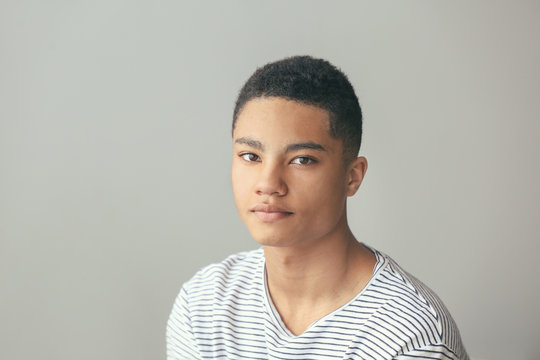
column 225, row 312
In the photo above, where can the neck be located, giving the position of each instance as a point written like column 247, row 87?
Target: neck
column 317, row 271
column 309, row 281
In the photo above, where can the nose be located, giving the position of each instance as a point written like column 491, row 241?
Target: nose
column 271, row 181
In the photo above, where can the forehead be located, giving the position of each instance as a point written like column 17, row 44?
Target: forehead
column 280, row 121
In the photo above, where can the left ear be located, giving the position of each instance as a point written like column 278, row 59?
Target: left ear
column 355, row 174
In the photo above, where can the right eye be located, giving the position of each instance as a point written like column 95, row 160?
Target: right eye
column 250, row 157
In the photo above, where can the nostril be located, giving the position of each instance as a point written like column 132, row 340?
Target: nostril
column 270, row 182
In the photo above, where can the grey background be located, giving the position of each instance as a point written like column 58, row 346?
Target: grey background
column 115, row 158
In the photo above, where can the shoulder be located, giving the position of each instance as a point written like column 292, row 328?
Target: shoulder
column 241, row 270
column 208, row 299
column 409, row 309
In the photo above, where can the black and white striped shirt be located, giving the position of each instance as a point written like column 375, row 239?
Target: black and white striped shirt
column 224, row 312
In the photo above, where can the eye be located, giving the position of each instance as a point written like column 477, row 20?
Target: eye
column 303, row 160
column 250, row 157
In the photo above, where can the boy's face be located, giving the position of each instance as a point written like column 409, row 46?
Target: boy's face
column 289, row 178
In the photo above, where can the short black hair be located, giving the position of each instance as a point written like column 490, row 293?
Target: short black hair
column 313, row 82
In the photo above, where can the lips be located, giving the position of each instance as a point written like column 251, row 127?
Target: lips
column 270, row 213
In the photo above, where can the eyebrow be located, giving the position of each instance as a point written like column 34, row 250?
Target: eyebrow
column 250, row 142
column 305, row 145
column 291, row 147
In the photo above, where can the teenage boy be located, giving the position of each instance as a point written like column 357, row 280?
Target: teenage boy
column 312, row 291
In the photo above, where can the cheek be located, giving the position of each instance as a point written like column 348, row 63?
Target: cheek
column 241, row 185
column 323, row 198
column 324, row 189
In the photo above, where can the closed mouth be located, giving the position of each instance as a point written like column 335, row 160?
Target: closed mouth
column 270, row 213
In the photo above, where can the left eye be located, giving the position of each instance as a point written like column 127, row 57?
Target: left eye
column 303, row 160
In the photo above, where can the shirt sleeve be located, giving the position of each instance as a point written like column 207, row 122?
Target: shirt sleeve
column 180, row 339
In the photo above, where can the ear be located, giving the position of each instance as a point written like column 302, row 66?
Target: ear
column 355, row 174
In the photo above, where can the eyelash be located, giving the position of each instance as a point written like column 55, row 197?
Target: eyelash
column 310, row 160
column 246, row 156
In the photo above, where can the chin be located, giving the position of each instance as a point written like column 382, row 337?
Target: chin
column 273, row 240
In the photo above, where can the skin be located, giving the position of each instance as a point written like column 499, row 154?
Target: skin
column 291, row 184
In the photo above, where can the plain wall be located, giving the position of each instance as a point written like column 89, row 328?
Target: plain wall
column 115, row 158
